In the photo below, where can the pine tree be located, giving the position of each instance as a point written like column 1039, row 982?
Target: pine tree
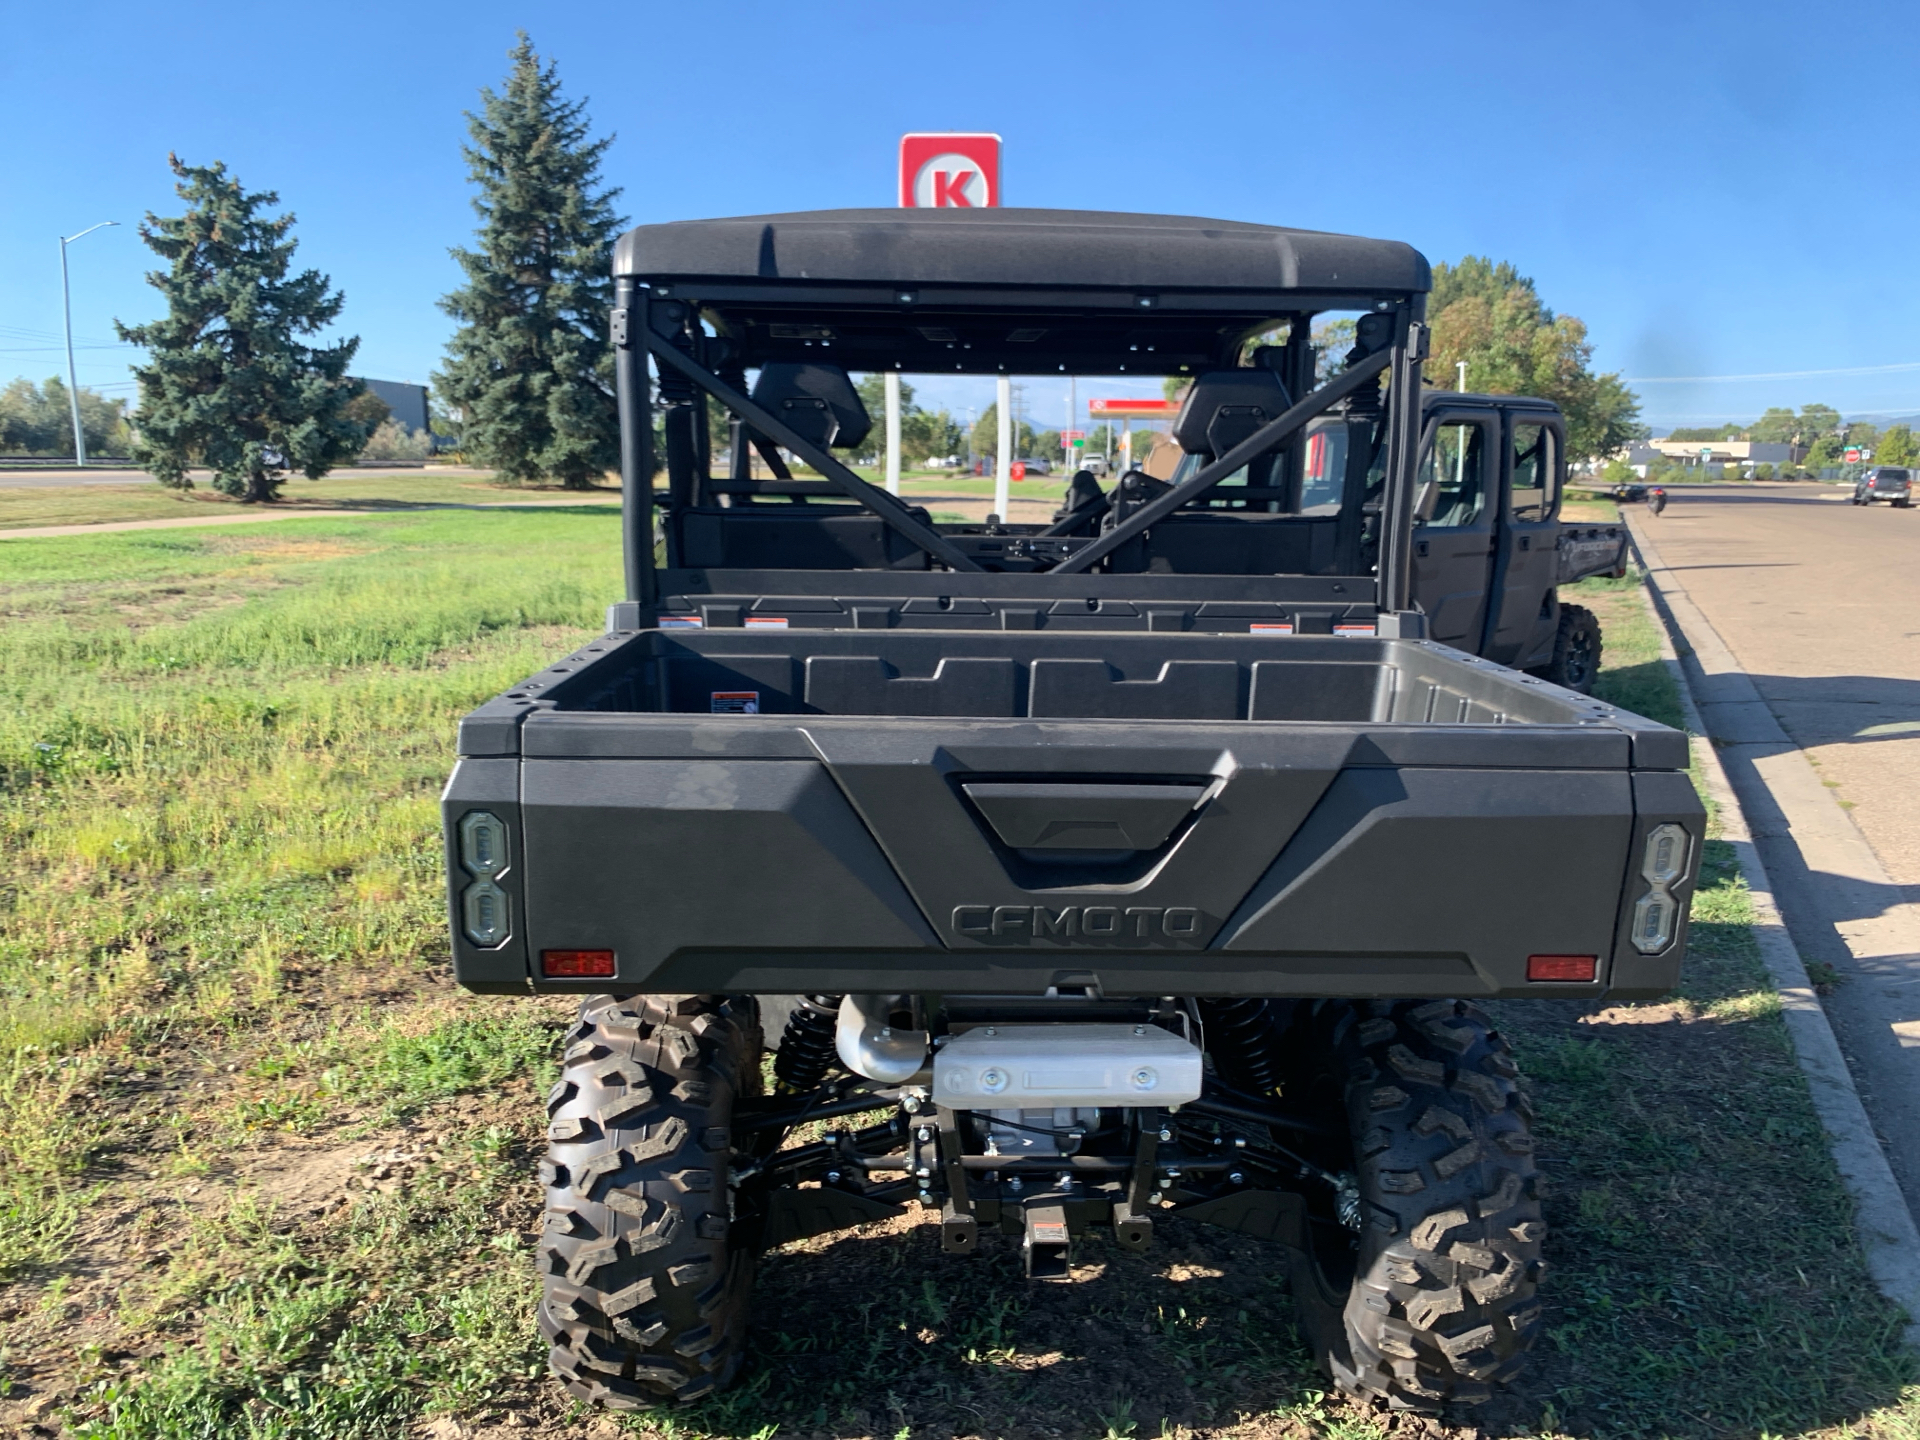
column 530, row 368
column 228, row 383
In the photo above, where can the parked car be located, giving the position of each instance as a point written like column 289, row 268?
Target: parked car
column 1885, row 482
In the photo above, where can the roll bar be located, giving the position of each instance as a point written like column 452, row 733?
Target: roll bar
column 637, row 333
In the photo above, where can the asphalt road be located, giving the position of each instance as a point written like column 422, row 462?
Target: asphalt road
column 1820, row 600
column 1819, row 603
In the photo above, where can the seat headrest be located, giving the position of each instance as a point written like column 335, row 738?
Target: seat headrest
column 819, row 401
column 1224, row 407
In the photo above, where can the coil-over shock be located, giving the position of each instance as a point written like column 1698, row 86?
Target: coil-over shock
column 807, row 1044
column 1243, row 1037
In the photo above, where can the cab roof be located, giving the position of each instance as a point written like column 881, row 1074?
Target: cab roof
column 1004, row 247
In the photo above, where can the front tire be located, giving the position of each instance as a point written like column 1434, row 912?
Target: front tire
column 1576, row 651
column 644, row 1287
column 1431, row 1301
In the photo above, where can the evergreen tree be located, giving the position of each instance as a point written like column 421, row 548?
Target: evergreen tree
column 531, row 368
column 228, row 383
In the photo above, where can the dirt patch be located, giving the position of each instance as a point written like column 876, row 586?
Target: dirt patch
column 303, row 1179
column 268, row 548
column 1668, row 1014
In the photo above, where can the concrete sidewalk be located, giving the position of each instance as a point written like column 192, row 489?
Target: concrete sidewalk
column 1807, row 854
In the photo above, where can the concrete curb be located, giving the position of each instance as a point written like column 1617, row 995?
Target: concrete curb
column 1888, row 1236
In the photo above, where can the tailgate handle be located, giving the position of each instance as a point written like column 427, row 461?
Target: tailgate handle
column 1119, row 818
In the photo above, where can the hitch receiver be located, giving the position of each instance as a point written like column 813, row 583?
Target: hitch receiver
column 1047, row 1242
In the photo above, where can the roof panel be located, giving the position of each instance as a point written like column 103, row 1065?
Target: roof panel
column 1016, row 247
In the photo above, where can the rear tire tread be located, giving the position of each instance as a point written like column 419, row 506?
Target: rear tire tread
column 1442, row 1305
column 644, row 1295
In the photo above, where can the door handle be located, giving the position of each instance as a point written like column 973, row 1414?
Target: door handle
column 1420, row 549
column 1526, row 542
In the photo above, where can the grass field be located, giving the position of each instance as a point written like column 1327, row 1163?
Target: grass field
column 264, row 1172
column 22, row 506
column 141, row 499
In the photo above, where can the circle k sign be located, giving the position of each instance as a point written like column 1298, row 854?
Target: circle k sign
column 956, row 171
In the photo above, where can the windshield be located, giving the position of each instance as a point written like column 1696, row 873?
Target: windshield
column 1898, row 476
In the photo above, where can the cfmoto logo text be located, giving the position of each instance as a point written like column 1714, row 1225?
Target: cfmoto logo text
column 1108, row 924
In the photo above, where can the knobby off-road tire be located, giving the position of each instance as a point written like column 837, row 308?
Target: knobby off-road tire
column 644, row 1290
column 1576, row 650
column 1432, row 1301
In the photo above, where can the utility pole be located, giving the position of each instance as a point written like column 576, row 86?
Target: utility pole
column 1073, row 423
column 1460, row 366
column 892, row 378
column 1002, row 472
column 66, row 305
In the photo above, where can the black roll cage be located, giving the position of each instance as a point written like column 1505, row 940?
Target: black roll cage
column 668, row 331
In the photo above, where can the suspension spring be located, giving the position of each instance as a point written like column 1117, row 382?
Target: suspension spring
column 1243, row 1038
column 806, row 1045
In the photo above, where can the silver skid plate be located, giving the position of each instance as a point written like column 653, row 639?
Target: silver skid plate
column 1010, row 1067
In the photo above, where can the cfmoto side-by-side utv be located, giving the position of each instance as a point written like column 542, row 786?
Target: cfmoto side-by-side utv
column 1143, row 863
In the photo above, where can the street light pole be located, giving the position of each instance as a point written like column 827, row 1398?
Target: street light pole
column 66, row 305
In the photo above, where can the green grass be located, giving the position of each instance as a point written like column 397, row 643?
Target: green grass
column 221, row 961
column 144, row 499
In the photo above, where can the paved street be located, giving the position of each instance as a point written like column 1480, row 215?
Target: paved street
column 1819, row 603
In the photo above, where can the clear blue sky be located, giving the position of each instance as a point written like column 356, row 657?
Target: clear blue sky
column 1716, row 189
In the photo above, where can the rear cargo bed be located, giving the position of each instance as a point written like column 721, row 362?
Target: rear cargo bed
column 796, row 810
column 1011, row 675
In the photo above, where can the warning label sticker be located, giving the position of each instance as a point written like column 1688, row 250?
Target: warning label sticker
column 681, row 622
column 736, row 702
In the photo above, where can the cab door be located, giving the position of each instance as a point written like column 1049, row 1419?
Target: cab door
column 1454, row 514
column 1526, row 563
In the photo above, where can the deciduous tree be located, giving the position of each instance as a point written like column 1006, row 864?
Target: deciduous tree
column 530, row 369
column 38, row 420
column 1492, row 317
column 1897, row 447
column 229, row 382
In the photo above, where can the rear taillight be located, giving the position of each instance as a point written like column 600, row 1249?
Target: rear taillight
column 484, row 912
column 1580, row 969
column 577, row 964
column 1656, row 916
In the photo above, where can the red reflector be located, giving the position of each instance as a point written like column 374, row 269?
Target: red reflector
column 563, row 964
column 1554, row 967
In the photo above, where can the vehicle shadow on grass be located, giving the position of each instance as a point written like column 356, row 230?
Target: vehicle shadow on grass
column 1704, row 1281
column 879, row 1332
column 558, row 504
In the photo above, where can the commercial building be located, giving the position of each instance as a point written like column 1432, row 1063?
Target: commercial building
column 1715, row 455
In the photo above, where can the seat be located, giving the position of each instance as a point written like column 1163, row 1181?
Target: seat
column 1224, row 407
column 819, row 401
column 795, row 537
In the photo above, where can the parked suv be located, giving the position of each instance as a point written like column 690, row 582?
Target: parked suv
column 1885, row 482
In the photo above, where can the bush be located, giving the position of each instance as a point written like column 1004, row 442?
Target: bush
column 394, row 441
